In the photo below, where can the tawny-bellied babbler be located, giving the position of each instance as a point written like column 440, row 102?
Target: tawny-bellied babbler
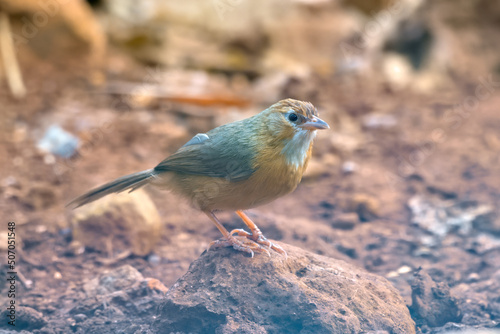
column 234, row 167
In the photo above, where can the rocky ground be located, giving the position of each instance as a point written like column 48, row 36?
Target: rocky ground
column 395, row 227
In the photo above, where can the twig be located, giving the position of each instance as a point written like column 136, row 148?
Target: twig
column 14, row 77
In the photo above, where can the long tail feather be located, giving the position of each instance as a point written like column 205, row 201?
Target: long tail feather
column 132, row 181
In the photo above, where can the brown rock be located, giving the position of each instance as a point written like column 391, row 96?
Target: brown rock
column 110, row 301
column 432, row 303
column 225, row 291
column 126, row 221
column 345, row 221
column 113, row 280
column 367, row 207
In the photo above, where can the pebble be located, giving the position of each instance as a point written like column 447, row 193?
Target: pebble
column 473, row 277
column 59, row 142
column 345, row 221
column 125, row 221
column 404, row 270
column 349, row 167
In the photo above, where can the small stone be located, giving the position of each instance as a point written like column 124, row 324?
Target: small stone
column 392, row 274
column 366, row 207
column 345, row 221
column 57, row 275
column 80, row 317
column 76, row 247
column 129, row 221
column 397, row 70
column 41, row 229
column 154, row 259
column 423, row 252
column 429, row 241
column 404, row 270
column 473, row 277
column 349, row 167
column 59, row 142
column 432, row 303
column 113, row 280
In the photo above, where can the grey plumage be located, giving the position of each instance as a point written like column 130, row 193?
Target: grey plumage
column 221, row 152
column 132, row 181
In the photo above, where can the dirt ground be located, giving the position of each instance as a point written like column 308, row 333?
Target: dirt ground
column 404, row 181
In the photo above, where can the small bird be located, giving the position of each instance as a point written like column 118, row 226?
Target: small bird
column 236, row 166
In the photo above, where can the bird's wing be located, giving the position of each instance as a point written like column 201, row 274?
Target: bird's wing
column 222, row 153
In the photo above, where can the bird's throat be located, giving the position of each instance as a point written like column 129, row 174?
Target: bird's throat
column 296, row 149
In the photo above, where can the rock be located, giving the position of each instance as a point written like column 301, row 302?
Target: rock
column 367, row 207
column 349, row 167
column 479, row 300
column 397, row 70
column 225, row 291
column 488, row 222
column 432, row 303
column 58, row 141
column 121, row 294
column 345, row 221
column 441, row 216
column 113, row 280
column 26, row 318
column 130, row 221
column 482, row 243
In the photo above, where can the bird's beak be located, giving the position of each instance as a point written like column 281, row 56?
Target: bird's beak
column 314, row 123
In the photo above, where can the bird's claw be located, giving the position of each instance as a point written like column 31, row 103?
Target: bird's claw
column 259, row 239
column 239, row 243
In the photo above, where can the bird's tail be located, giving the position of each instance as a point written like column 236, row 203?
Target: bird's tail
column 132, row 182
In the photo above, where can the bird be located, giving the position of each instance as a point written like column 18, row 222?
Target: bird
column 234, row 167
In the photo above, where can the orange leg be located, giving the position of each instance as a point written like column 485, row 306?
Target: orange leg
column 255, row 235
column 237, row 242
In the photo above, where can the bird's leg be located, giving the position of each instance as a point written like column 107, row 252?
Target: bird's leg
column 237, row 242
column 255, row 235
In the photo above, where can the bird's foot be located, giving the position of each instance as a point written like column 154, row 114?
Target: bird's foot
column 239, row 243
column 257, row 237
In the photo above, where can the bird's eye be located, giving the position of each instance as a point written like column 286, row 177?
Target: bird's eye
column 293, row 117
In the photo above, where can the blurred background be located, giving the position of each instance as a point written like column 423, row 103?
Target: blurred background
column 407, row 177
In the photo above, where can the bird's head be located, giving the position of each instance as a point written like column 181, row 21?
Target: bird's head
column 292, row 126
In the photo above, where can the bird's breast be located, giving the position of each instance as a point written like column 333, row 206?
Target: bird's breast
column 277, row 173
